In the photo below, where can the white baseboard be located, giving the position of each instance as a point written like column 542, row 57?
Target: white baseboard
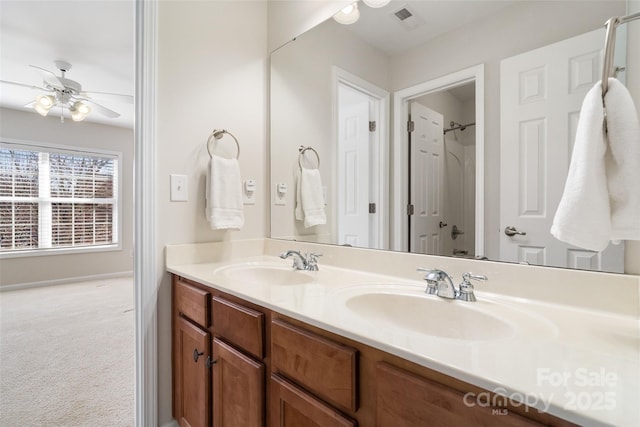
column 105, row 276
column 172, row 423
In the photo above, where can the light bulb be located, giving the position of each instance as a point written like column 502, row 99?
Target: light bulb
column 79, row 111
column 43, row 104
column 348, row 15
column 376, row 3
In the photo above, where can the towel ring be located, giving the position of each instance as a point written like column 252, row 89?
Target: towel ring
column 218, row 134
column 302, row 149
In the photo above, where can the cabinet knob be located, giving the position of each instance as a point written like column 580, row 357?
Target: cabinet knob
column 210, row 362
column 196, row 355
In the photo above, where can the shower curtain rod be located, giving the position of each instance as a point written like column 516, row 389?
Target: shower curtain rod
column 459, row 127
column 609, row 46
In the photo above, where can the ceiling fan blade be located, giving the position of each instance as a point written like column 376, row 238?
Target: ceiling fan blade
column 107, row 96
column 100, row 109
column 23, row 85
column 49, row 77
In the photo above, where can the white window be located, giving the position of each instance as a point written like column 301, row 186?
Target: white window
column 53, row 199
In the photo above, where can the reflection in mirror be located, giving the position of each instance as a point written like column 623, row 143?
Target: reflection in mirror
column 328, row 84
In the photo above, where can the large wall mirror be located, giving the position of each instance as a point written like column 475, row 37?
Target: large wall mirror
column 412, row 117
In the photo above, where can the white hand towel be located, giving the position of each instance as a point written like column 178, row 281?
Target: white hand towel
column 309, row 198
column 224, row 194
column 600, row 200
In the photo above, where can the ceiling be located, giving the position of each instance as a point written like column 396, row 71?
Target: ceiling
column 96, row 37
column 431, row 18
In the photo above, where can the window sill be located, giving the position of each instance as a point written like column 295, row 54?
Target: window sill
column 60, row 251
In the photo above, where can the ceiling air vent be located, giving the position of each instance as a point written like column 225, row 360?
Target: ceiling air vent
column 407, row 18
column 403, row 14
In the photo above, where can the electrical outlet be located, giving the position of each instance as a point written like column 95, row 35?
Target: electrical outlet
column 249, row 192
column 178, row 188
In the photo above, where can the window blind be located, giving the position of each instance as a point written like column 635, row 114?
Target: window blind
column 57, row 199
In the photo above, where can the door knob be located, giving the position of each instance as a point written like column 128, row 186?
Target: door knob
column 511, row 231
column 197, row 354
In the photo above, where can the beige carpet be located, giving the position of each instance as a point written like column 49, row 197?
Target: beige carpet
column 67, row 355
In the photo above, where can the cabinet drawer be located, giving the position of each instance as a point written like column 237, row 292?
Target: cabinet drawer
column 239, row 325
column 192, row 302
column 327, row 368
column 293, row 407
column 407, row 399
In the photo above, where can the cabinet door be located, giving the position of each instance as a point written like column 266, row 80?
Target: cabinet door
column 238, row 388
column 193, row 388
column 291, row 406
column 408, row 400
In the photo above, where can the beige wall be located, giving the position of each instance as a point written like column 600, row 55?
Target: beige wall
column 526, row 26
column 212, row 71
column 29, row 126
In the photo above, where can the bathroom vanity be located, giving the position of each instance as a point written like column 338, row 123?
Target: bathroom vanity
column 257, row 343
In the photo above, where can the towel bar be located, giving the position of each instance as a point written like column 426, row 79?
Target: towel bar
column 302, row 149
column 218, row 134
column 610, row 46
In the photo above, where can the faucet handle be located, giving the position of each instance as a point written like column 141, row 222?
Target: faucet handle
column 466, row 288
column 312, row 261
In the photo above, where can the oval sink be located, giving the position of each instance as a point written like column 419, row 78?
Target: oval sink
column 430, row 316
column 266, row 274
column 405, row 309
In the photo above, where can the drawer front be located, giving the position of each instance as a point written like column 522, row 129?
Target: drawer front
column 406, row 399
column 327, row 368
column 192, row 302
column 293, row 407
column 239, row 325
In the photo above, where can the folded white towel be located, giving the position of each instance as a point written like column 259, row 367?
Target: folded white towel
column 309, row 198
column 224, row 194
column 601, row 201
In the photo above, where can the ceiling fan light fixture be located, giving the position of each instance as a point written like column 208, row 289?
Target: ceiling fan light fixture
column 79, row 111
column 348, row 15
column 376, row 3
column 43, row 104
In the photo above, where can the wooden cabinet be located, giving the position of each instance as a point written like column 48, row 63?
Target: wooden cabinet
column 193, row 386
column 238, row 373
column 323, row 366
column 409, row 400
column 293, row 407
column 238, row 388
column 191, row 349
column 271, row 370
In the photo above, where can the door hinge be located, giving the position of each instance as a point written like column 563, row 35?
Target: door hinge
column 372, row 208
column 372, row 126
column 410, row 209
column 411, row 126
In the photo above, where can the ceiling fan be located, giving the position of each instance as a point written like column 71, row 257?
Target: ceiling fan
column 66, row 93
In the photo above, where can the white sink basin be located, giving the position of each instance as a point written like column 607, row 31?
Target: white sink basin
column 265, row 274
column 408, row 308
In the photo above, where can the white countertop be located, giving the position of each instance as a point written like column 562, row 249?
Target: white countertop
column 577, row 364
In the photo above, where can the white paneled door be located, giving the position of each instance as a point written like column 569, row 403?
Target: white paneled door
column 541, row 93
column 427, row 180
column 353, row 168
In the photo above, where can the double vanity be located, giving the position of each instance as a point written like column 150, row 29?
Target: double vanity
column 364, row 340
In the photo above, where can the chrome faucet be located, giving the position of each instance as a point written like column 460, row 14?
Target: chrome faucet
column 308, row 262
column 441, row 284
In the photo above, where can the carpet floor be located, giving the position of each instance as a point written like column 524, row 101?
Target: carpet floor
column 67, row 355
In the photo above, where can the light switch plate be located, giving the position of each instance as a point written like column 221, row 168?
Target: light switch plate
column 281, row 191
column 178, row 188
